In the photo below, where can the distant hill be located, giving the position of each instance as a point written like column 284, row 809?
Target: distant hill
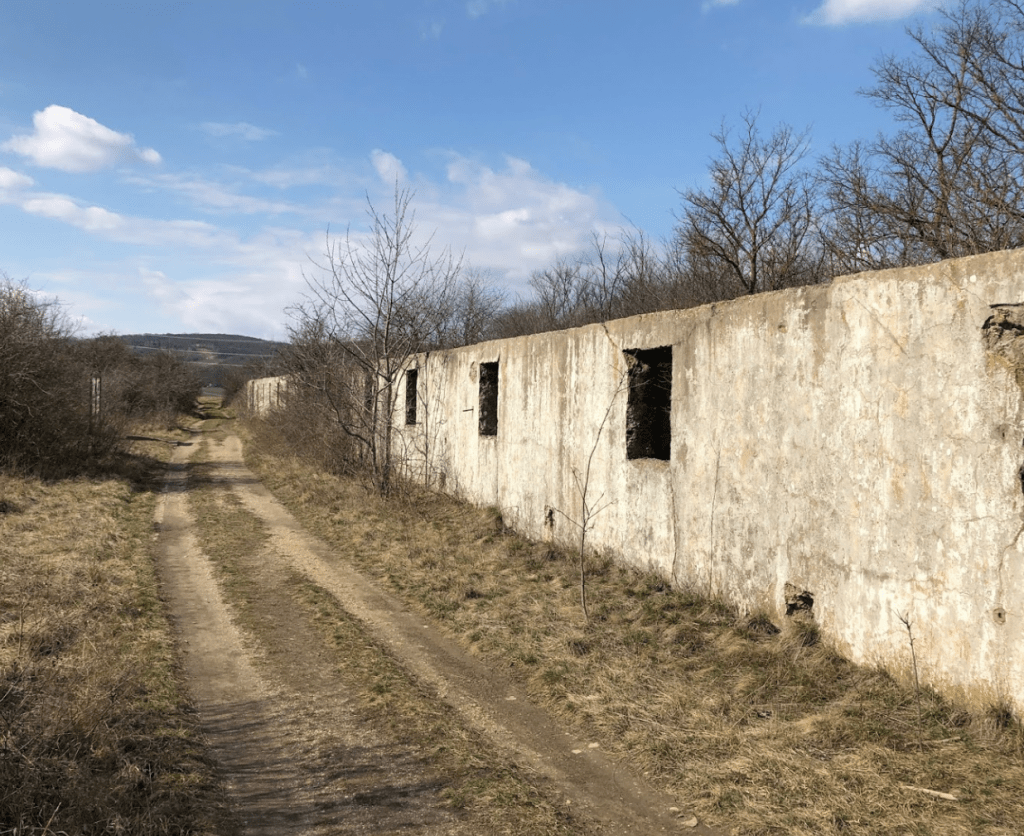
column 212, row 353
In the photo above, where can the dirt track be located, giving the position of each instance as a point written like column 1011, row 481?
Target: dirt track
column 296, row 754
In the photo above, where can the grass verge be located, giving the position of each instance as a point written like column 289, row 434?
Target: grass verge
column 762, row 729
column 96, row 735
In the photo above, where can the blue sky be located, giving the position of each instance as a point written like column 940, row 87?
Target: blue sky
column 173, row 167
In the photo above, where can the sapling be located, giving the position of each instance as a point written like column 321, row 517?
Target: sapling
column 905, row 619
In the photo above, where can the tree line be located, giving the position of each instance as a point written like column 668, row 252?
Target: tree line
column 66, row 403
column 947, row 182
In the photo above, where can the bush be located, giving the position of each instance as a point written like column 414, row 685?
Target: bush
column 44, row 389
column 46, row 421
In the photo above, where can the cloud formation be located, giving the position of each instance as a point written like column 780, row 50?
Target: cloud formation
column 478, row 8
column 514, row 220
column 213, row 196
column 508, row 219
column 243, row 130
column 839, row 12
column 11, row 181
column 388, row 167
column 69, row 141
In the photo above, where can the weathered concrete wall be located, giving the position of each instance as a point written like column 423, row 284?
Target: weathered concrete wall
column 860, row 441
column 265, row 394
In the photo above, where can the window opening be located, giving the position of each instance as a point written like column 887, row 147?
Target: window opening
column 369, row 395
column 411, row 378
column 488, row 399
column 649, row 408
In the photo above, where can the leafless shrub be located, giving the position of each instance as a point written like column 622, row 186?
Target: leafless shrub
column 372, row 303
column 44, row 390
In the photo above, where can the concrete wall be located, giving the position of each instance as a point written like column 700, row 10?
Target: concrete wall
column 265, row 394
column 860, row 442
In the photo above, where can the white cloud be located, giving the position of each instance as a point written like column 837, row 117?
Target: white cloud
column 513, row 220
column 69, row 141
column 11, row 181
column 838, row 12
column 710, row 4
column 478, row 8
column 508, row 220
column 287, row 178
column 389, row 168
column 116, row 227
column 211, row 195
column 431, row 32
column 245, row 292
column 243, row 130
column 239, row 275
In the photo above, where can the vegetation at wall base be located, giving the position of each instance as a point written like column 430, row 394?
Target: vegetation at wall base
column 96, row 735
column 758, row 725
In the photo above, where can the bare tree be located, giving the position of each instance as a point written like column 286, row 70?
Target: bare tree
column 373, row 302
column 471, row 311
column 755, row 226
column 950, row 181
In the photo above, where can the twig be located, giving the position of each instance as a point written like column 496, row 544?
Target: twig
column 917, row 684
column 935, row 793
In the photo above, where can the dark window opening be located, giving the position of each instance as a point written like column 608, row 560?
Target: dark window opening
column 488, row 399
column 411, row 377
column 649, row 408
column 369, row 394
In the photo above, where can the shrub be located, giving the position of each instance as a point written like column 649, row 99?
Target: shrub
column 47, row 425
column 44, row 389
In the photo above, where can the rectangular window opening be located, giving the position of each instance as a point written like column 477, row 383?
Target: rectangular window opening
column 411, row 377
column 488, row 399
column 369, row 394
column 649, row 407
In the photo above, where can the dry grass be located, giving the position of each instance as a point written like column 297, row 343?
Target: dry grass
column 95, row 734
column 766, row 731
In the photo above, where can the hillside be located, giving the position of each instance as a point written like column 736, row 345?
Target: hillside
column 213, row 353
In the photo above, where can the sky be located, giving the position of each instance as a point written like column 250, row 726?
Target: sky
column 173, row 167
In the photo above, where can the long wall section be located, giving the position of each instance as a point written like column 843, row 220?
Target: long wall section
column 265, row 394
column 854, row 447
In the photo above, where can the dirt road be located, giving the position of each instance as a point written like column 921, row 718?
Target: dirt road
column 298, row 753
